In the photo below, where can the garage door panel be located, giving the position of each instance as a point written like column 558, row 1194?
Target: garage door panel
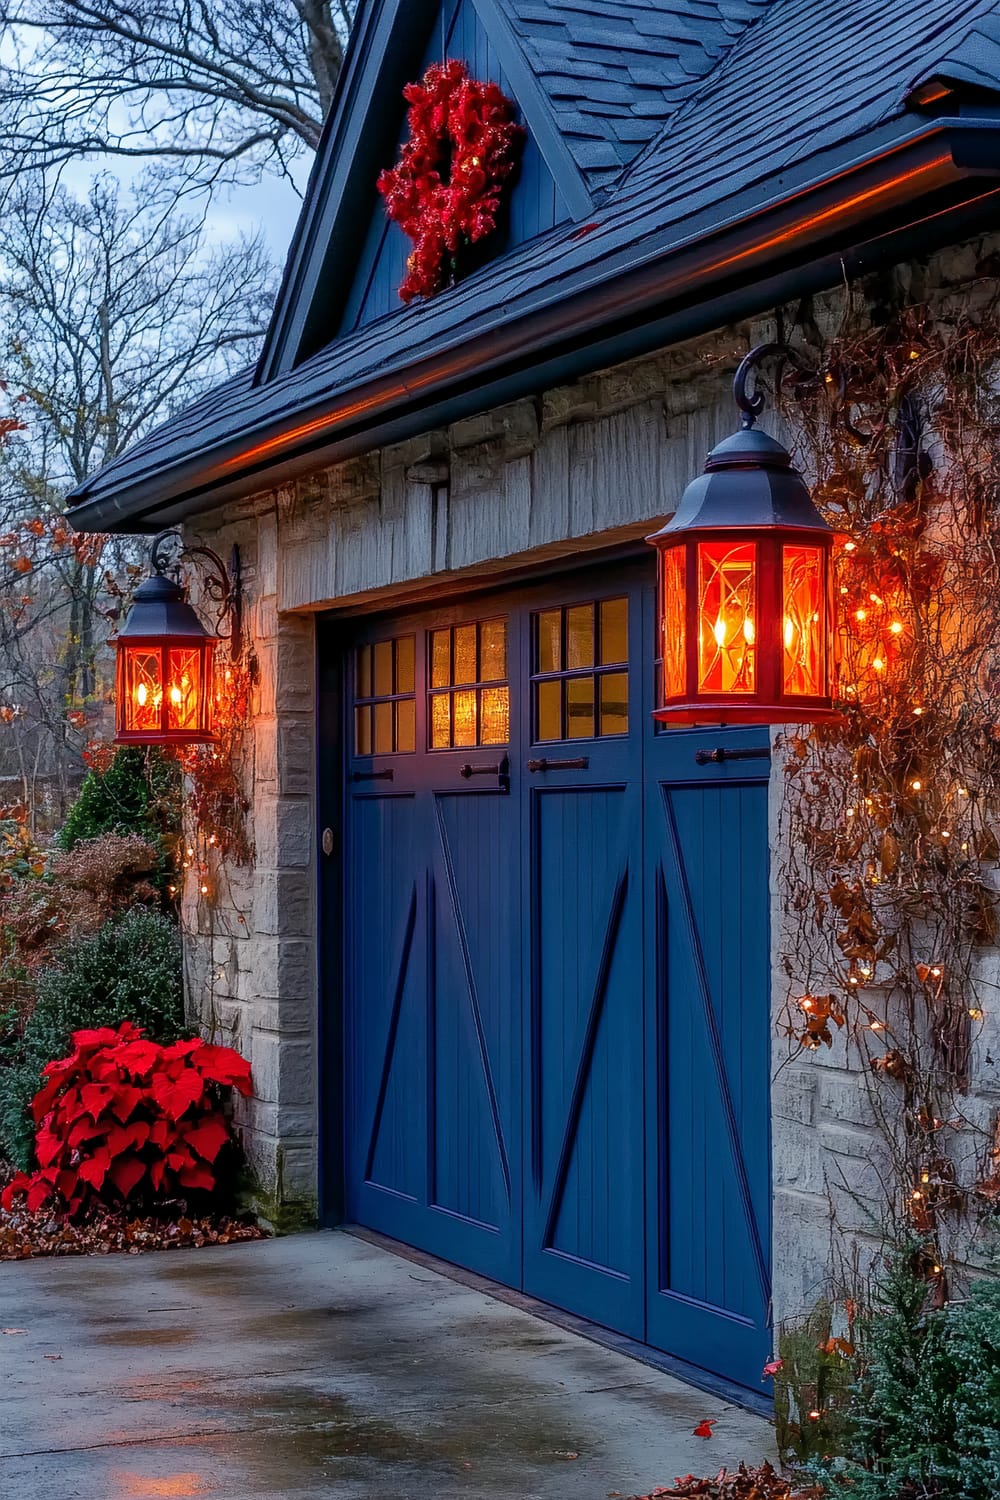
column 387, row 982
column 584, row 1230
column 475, row 1026
column 710, row 1300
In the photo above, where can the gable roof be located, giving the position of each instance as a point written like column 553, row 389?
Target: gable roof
column 751, row 179
column 594, row 80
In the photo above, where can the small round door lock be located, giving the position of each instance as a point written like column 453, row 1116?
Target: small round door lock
column 327, row 841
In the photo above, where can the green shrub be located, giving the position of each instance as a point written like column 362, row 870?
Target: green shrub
column 128, row 971
column 138, row 792
column 924, row 1419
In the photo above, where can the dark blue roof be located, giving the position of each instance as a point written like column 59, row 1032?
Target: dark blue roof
column 615, row 70
column 811, row 88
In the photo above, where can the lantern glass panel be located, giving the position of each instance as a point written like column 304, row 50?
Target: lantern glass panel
column 143, row 689
column 184, row 687
column 674, row 643
column 727, row 615
column 803, row 600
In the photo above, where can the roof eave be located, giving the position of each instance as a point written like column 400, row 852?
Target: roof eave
column 799, row 241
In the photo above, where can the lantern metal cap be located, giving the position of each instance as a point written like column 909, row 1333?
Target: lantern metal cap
column 749, row 448
column 160, row 609
column 749, row 482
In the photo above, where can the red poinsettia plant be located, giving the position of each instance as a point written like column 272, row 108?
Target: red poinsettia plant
column 125, row 1119
column 445, row 190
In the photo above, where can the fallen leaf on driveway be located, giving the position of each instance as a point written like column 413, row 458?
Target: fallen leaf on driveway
column 13, row 1330
column 52, row 1356
column 704, row 1429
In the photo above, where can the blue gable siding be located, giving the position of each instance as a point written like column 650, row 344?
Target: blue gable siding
column 535, row 203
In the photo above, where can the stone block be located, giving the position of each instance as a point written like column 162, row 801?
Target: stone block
column 284, row 1068
column 284, row 832
column 800, row 1252
column 292, row 1015
column 284, row 904
column 298, row 1176
column 793, row 1094
column 843, row 1096
column 285, row 754
column 284, row 969
column 295, row 674
column 797, row 1158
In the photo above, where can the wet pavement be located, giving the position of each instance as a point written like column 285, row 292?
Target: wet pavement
column 323, row 1365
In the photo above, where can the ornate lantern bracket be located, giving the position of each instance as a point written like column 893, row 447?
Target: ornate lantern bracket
column 223, row 586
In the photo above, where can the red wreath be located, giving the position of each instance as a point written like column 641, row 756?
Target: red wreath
column 445, row 190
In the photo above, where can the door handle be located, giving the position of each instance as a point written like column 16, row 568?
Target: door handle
column 501, row 771
column 579, row 764
column 720, row 755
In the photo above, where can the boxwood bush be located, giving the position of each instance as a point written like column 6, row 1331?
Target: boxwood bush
column 130, row 970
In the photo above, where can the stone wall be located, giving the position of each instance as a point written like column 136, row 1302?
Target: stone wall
column 579, row 467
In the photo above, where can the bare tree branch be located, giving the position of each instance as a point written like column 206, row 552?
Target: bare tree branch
column 198, row 83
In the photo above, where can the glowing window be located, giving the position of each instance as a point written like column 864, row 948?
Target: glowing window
column 580, row 678
column 469, row 692
column 385, row 697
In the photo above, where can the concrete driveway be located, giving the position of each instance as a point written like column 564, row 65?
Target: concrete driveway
column 323, row 1365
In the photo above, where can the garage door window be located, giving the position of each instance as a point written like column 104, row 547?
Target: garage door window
column 580, row 678
column 469, row 692
column 385, row 697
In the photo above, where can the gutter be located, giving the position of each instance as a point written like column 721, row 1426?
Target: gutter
column 800, row 242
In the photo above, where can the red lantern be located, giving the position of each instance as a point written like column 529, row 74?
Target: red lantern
column 745, row 597
column 164, row 678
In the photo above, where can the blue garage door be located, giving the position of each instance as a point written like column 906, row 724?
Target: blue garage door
column 556, row 949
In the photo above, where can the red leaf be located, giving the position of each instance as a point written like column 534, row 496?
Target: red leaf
column 199, row 1178
column 103, row 1036
column 44, row 1097
column 47, row 1146
column 157, row 1172
column 95, row 1098
column 126, row 1173
column 18, row 1184
column 66, row 1184
column 126, row 1098
column 704, row 1429
column 94, row 1169
column 224, row 1065
column 39, row 1193
column 175, row 1095
column 138, row 1057
column 208, row 1138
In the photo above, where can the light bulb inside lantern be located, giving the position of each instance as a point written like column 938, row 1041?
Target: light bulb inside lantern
column 789, row 633
column 719, row 631
column 175, row 695
column 748, row 631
